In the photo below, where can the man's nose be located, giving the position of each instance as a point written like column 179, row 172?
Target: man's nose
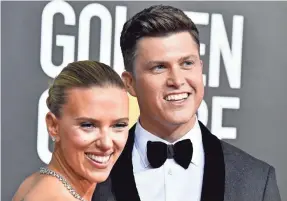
column 176, row 78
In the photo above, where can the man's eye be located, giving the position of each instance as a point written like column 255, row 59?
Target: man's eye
column 158, row 68
column 87, row 125
column 188, row 63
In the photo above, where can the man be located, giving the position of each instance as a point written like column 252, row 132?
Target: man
column 170, row 155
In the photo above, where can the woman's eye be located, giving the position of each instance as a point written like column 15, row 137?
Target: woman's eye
column 87, row 125
column 120, row 125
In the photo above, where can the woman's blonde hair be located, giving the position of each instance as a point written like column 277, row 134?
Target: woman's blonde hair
column 83, row 74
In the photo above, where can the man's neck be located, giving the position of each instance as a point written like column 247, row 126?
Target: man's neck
column 168, row 132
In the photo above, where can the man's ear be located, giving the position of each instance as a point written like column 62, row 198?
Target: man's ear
column 129, row 82
column 201, row 64
column 52, row 126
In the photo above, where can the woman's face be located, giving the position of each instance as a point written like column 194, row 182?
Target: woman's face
column 92, row 130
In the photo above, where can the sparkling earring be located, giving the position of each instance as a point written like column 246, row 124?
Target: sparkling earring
column 53, row 139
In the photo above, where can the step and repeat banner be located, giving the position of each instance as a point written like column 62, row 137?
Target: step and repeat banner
column 243, row 47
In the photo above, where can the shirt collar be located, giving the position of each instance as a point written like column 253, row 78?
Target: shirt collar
column 142, row 136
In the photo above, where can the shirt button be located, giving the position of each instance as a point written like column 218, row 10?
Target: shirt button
column 169, row 172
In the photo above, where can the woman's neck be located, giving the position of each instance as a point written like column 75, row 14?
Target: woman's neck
column 81, row 185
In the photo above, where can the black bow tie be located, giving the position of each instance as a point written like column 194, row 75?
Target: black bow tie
column 158, row 152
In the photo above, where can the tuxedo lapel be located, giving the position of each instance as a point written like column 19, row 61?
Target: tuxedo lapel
column 214, row 167
column 123, row 181
column 103, row 191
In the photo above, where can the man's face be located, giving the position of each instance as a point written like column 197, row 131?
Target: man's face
column 167, row 80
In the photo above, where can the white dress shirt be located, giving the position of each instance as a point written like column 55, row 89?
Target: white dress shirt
column 170, row 182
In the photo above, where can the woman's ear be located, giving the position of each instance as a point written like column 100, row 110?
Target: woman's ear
column 52, row 126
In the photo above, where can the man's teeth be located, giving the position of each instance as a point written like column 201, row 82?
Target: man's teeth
column 176, row 97
column 99, row 159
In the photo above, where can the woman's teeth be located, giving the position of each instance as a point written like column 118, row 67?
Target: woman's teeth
column 98, row 159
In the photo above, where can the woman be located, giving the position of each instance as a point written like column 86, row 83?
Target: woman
column 88, row 122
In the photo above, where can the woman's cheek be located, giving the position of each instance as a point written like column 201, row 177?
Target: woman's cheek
column 82, row 139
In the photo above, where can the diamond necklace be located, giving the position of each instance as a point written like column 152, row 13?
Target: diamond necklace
column 47, row 171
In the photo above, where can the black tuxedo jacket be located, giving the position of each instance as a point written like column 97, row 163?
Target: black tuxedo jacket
column 229, row 175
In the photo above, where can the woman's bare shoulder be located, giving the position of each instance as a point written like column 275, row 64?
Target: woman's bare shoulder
column 25, row 187
column 48, row 198
column 41, row 187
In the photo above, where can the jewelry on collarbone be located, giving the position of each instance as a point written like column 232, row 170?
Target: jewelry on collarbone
column 47, row 171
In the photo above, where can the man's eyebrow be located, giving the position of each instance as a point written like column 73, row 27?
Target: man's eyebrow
column 156, row 62
column 190, row 56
